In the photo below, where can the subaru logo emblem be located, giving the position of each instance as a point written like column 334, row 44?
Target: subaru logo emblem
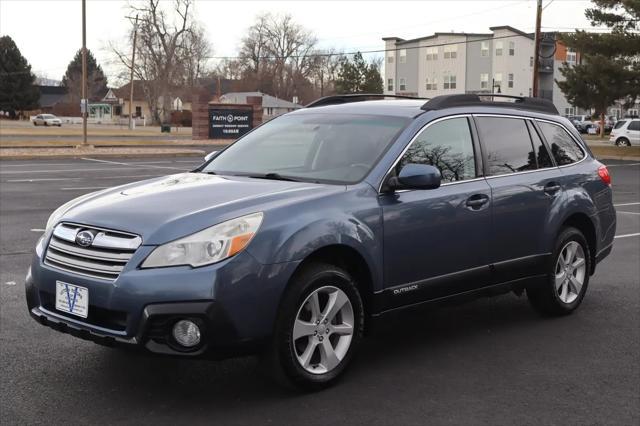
column 84, row 238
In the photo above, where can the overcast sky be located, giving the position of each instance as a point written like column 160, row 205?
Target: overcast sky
column 49, row 32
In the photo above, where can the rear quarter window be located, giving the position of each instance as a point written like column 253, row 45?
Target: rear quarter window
column 564, row 148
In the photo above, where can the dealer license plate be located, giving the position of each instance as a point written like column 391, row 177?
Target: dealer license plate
column 72, row 299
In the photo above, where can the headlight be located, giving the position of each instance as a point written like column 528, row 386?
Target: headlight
column 208, row 246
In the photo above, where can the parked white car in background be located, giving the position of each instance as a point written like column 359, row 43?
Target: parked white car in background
column 626, row 132
column 47, row 120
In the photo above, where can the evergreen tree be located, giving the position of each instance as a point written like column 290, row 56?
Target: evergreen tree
column 609, row 69
column 17, row 92
column 358, row 76
column 96, row 80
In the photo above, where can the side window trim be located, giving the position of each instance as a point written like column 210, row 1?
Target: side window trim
column 472, row 131
column 573, row 138
column 534, row 122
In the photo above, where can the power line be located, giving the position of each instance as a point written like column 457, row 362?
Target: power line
column 364, row 52
column 438, row 21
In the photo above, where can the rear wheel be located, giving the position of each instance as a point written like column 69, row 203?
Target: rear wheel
column 319, row 328
column 568, row 277
column 623, row 142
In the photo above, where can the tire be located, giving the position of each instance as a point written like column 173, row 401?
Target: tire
column 559, row 294
column 46, row 124
column 286, row 355
column 623, row 142
column 35, row 124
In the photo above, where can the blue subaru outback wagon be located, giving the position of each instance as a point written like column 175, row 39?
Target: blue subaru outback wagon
column 288, row 242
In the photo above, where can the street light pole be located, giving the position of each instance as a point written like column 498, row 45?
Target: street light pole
column 84, row 73
column 536, row 53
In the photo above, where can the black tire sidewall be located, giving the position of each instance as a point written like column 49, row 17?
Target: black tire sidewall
column 566, row 236
column 310, row 279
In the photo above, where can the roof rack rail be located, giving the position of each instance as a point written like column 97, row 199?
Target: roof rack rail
column 354, row 97
column 521, row 102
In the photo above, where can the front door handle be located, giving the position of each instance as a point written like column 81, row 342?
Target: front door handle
column 476, row 201
column 551, row 188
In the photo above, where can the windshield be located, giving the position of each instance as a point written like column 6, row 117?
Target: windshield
column 311, row 147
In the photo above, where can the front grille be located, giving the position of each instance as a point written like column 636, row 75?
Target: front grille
column 104, row 258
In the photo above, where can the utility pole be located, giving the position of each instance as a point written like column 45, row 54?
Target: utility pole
column 133, row 61
column 536, row 53
column 84, row 73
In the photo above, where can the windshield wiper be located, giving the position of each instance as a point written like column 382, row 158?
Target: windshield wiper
column 274, row 176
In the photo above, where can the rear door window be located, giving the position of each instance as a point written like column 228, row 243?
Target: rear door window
column 542, row 153
column 564, row 148
column 446, row 145
column 634, row 125
column 507, row 145
column 619, row 124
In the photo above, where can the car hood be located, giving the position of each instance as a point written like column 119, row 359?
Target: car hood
column 163, row 209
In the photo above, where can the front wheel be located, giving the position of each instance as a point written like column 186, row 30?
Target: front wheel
column 319, row 328
column 568, row 277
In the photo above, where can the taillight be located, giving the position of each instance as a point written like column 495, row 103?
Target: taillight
column 604, row 174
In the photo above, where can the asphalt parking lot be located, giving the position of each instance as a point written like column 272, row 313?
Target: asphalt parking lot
column 493, row 361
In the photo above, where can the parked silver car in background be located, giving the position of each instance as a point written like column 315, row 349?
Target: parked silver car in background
column 626, row 132
column 47, row 120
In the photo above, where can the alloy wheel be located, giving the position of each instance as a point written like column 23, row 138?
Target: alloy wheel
column 570, row 272
column 323, row 330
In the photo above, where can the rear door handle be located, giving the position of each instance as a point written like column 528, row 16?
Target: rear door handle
column 476, row 201
column 552, row 187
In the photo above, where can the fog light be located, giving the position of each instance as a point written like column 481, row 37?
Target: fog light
column 186, row 333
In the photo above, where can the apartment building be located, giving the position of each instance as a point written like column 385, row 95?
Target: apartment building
column 500, row 61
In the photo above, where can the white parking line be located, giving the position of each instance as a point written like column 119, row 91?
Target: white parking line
column 130, row 164
column 627, row 235
column 39, row 180
column 37, row 230
column 3, row 172
column 84, row 187
column 79, row 178
column 625, row 204
column 37, row 164
column 627, row 212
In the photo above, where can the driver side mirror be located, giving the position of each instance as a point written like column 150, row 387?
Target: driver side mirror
column 416, row 176
column 210, row 155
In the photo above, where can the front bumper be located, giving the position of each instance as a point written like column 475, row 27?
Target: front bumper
column 235, row 302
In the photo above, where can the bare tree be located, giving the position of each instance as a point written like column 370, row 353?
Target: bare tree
column 171, row 51
column 325, row 71
column 195, row 52
column 277, row 55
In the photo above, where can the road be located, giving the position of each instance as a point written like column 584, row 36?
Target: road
column 490, row 362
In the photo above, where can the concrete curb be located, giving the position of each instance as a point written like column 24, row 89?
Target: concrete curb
column 137, row 154
column 617, row 157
